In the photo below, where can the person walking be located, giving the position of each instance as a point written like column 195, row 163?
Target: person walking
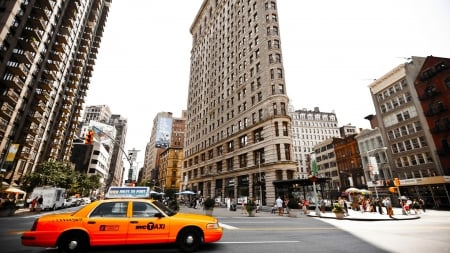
column 40, row 201
column 388, row 204
column 422, row 204
column 279, row 202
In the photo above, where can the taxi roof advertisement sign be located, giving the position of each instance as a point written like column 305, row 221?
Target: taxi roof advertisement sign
column 128, row 192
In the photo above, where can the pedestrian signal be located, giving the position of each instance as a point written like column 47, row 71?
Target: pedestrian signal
column 89, row 137
column 396, row 181
column 393, row 189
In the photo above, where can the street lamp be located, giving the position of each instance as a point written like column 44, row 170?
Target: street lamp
column 260, row 182
column 373, row 167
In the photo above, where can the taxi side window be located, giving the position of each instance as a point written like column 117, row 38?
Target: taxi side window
column 110, row 209
column 142, row 209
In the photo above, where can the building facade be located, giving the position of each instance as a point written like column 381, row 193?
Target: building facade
column 309, row 128
column 238, row 129
column 407, row 117
column 47, row 54
column 171, row 159
column 160, row 139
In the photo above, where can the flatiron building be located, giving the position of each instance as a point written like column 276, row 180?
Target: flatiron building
column 238, row 129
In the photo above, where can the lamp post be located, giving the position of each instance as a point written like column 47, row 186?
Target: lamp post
column 260, row 182
column 371, row 167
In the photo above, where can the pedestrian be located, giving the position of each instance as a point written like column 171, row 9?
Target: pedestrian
column 379, row 204
column 40, row 202
column 422, row 204
column 243, row 207
column 342, row 203
column 33, row 204
column 274, row 208
column 388, row 204
column 285, row 205
column 279, row 202
column 416, row 206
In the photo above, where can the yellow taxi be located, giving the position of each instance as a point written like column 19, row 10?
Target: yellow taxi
column 122, row 221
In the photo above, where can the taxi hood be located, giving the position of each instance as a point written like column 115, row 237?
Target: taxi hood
column 195, row 217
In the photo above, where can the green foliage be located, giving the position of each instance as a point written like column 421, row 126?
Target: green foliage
column 293, row 204
column 337, row 208
column 60, row 174
column 250, row 206
column 209, row 203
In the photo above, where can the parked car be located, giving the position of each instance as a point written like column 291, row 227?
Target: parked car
column 68, row 203
column 85, row 201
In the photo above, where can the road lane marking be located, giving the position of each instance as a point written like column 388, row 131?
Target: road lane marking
column 228, row 226
column 257, row 242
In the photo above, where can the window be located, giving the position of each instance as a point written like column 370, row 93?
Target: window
column 142, row 209
column 243, row 141
column 287, row 151
column 111, row 209
column 230, row 163
column 230, row 147
column 243, row 161
column 278, row 151
column 285, row 129
column 258, row 135
column 277, row 131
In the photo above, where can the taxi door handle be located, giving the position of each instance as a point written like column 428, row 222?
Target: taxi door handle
column 91, row 222
column 134, row 221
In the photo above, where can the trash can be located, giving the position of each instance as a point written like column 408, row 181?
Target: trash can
column 233, row 207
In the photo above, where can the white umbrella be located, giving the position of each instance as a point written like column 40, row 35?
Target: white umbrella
column 352, row 190
column 13, row 190
column 364, row 192
column 186, row 193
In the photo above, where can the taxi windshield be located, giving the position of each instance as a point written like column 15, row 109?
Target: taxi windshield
column 164, row 208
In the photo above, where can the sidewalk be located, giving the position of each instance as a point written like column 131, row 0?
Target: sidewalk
column 224, row 212
column 368, row 216
column 353, row 215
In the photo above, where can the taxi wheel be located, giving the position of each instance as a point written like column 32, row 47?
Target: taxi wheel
column 189, row 239
column 73, row 242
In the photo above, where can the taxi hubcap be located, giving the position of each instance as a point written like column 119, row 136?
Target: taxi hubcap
column 189, row 239
column 73, row 244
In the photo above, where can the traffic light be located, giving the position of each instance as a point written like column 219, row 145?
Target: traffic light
column 89, row 137
column 396, row 182
column 393, row 189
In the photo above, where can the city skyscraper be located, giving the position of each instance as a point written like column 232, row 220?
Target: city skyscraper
column 47, row 53
column 238, row 130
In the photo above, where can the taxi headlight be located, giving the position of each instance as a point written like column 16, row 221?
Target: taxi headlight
column 212, row 226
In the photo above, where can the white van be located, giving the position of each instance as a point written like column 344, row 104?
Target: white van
column 53, row 197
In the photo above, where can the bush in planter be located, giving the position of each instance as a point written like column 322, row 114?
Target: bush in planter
column 338, row 208
column 293, row 204
column 209, row 204
column 250, row 206
column 8, row 208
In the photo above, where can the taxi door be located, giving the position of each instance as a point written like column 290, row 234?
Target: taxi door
column 145, row 226
column 108, row 223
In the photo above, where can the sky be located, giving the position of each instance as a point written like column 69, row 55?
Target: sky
column 332, row 50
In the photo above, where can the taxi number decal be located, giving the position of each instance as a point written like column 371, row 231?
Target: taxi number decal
column 109, row 227
column 67, row 219
column 151, row 226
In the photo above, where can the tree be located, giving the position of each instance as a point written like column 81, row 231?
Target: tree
column 54, row 173
column 61, row 174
